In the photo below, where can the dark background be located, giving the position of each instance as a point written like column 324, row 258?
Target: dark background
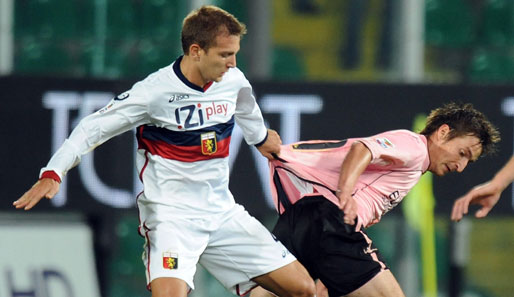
column 350, row 110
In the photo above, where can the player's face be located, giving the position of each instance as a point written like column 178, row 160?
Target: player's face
column 218, row 59
column 454, row 154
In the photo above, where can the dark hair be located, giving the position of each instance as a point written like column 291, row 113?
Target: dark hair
column 463, row 119
column 203, row 25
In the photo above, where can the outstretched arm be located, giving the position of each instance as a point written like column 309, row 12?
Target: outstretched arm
column 485, row 195
column 117, row 117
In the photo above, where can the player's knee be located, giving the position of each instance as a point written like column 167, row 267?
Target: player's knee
column 305, row 288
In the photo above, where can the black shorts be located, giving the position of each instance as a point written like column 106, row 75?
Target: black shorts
column 314, row 231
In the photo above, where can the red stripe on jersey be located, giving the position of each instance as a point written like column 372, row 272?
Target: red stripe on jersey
column 148, row 244
column 144, row 167
column 184, row 153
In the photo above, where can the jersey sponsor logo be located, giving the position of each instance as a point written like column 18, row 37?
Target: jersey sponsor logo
column 215, row 109
column 122, row 96
column 169, row 260
column 194, row 115
column 209, row 145
column 385, row 143
column 190, row 114
column 178, row 97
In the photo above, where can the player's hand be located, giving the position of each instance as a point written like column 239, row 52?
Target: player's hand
column 349, row 206
column 271, row 145
column 486, row 195
column 45, row 187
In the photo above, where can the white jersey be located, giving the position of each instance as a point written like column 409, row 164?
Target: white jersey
column 187, row 212
column 183, row 134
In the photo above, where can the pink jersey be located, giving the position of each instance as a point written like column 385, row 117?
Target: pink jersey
column 311, row 168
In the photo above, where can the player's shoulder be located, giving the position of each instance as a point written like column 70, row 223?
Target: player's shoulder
column 235, row 76
column 403, row 136
column 401, row 133
column 236, row 72
column 153, row 79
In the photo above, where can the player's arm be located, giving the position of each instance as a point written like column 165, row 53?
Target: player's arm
column 271, row 145
column 485, row 195
column 356, row 161
column 505, row 176
column 249, row 118
column 93, row 130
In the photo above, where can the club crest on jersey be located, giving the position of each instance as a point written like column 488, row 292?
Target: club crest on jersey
column 209, row 145
column 169, row 260
column 385, row 143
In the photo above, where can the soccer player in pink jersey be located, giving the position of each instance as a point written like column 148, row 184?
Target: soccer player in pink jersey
column 328, row 192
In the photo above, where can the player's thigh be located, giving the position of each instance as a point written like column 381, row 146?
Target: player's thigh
column 384, row 284
column 330, row 250
column 291, row 279
column 261, row 292
column 169, row 287
column 242, row 249
column 172, row 250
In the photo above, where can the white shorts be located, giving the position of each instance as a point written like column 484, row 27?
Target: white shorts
column 234, row 247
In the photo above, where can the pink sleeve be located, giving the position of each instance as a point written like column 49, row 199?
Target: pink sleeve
column 400, row 148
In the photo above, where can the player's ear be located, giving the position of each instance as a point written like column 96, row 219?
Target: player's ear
column 194, row 51
column 443, row 131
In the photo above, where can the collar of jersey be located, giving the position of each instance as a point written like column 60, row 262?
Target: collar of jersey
column 180, row 75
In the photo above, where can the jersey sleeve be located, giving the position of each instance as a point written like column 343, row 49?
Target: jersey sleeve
column 396, row 149
column 121, row 114
column 249, row 118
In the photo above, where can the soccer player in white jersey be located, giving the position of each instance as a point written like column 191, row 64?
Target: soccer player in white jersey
column 327, row 192
column 184, row 114
column 486, row 195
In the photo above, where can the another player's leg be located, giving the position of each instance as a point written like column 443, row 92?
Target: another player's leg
column 384, row 284
column 261, row 292
column 168, row 287
column 321, row 290
column 242, row 254
column 290, row 280
column 346, row 261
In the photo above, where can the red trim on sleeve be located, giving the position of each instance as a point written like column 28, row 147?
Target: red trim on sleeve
column 50, row 174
